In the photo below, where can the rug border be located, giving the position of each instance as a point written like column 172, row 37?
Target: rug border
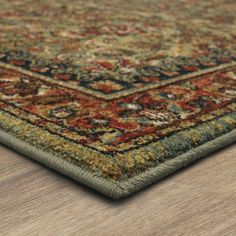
column 114, row 189
column 126, row 92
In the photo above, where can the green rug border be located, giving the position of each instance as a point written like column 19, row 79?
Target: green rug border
column 114, row 189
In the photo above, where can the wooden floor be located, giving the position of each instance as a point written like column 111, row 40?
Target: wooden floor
column 200, row 200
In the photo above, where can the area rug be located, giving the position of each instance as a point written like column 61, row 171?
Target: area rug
column 117, row 94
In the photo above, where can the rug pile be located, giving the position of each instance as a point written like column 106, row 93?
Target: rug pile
column 117, row 94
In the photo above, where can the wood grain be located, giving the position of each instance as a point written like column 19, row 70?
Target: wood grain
column 200, row 200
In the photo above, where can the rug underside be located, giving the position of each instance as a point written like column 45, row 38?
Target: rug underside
column 121, row 93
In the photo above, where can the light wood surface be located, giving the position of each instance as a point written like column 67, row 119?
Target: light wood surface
column 199, row 200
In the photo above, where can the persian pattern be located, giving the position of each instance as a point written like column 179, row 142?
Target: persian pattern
column 116, row 128
column 119, row 86
column 120, row 124
column 112, row 47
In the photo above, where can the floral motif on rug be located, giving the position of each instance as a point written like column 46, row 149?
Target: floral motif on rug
column 118, row 88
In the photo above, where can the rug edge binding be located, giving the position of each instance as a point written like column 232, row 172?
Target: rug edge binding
column 112, row 189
